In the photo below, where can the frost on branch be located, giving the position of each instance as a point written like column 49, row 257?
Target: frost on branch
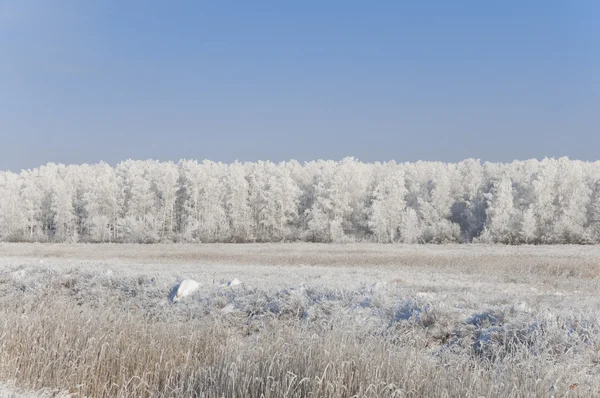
column 548, row 201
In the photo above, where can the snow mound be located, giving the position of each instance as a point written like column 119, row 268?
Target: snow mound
column 20, row 274
column 185, row 288
column 234, row 282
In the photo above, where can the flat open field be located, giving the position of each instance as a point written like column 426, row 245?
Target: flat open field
column 307, row 320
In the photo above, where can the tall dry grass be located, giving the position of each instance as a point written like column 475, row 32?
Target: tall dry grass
column 89, row 334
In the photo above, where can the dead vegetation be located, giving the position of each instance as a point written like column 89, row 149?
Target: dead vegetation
column 408, row 331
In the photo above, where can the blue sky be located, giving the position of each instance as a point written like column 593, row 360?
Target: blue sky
column 110, row 80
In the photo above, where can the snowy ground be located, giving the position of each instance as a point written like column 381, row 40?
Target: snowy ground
column 9, row 390
column 510, row 321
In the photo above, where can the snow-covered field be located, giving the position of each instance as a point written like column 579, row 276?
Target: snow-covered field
column 307, row 319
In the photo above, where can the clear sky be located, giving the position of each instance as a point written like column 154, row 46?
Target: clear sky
column 84, row 81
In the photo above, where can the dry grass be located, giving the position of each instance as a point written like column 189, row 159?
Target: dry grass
column 95, row 321
column 318, row 254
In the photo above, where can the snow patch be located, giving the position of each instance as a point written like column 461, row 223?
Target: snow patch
column 185, row 288
column 234, row 282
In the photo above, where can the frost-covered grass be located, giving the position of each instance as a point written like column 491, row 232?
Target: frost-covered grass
column 9, row 390
column 451, row 321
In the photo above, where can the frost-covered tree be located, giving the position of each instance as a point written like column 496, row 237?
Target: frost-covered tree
column 237, row 208
column 502, row 224
column 13, row 218
column 142, row 217
column 213, row 224
column 65, row 228
column 410, row 229
column 31, row 199
column 388, row 204
column 324, row 218
column 573, row 196
column 528, row 227
column 593, row 212
column 101, row 203
column 468, row 210
column 338, row 210
column 164, row 177
column 274, row 199
column 189, row 200
column 435, row 206
column 548, row 201
column 543, row 203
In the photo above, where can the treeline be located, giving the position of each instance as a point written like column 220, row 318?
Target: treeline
column 548, row 201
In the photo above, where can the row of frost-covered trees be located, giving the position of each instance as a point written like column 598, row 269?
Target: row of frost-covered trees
column 548, row 201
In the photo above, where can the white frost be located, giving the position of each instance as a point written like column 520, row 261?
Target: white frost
column 185, row 288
